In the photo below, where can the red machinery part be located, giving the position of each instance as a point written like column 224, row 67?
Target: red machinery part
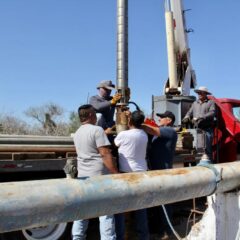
column 227, row 131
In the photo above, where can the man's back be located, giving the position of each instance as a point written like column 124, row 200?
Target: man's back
column 132, row 150
column 163, row 148
column 87, row 139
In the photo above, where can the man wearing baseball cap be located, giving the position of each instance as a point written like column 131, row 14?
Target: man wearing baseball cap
column 202, row 114
column 164, row 141
column 161, row 154
column 104, row 104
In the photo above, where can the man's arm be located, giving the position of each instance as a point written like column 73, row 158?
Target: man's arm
column 151, row 130
column 99, row 104
column 105, row 152
column 189, row 113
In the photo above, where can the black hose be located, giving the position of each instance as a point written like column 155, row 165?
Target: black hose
column 137, row 107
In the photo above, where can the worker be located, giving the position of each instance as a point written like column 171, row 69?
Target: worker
column 104, row 104
column 202, row 114
column 161, row 154
column 93, row 158
column 132, row 145
column 164, row 141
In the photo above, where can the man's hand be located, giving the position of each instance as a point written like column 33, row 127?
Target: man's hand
column 110, row 130
column 116, row 98
column 128, row 93
column 128, row 113
column 197, row 121
column 186, row 120
column 194, row 121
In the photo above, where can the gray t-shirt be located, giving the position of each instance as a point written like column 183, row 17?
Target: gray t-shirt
column 87, row 139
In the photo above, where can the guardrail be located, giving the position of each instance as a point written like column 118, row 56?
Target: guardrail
column 38, row 203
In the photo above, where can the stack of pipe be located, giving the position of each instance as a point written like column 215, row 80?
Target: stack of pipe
column 31, row 143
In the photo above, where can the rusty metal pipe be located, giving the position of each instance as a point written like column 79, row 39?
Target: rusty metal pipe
column 38, row 203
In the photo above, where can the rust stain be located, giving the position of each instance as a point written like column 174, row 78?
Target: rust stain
column 137, row 177
column 170, row 172
column 129, row 177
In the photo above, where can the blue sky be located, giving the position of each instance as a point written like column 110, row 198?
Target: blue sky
column 58, row 50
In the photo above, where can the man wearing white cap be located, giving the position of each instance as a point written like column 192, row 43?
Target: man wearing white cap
column 202, row 113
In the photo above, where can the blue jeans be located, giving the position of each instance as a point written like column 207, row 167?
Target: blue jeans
column 141, row 225
column 107, row 228
column 209, row 139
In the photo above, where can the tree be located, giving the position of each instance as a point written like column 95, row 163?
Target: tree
column 74, row 122
column 47, row 115
column 48, row 120
column 13, row 125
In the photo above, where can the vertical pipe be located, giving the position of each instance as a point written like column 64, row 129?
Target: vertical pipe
column 122, row 47
column 122, row 63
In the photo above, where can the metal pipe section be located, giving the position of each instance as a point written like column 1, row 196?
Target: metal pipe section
column 38, row 203
column 30, row 139
column 33, row 136
column 36, row 148
column 29, row 143
column 122, row 64
column 171, row 51
column 122, row 47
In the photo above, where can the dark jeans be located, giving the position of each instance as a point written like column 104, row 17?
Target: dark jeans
column 208, row 145
column 140, row 221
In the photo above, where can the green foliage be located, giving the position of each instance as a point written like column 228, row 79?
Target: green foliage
column 74, row 122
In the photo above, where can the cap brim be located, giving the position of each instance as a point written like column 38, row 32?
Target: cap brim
column 107, row 87
column 110, row 88
column 198, row 91
column 161, row 115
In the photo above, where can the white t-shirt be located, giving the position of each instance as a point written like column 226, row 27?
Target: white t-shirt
column 87, row 139
column 132, row 146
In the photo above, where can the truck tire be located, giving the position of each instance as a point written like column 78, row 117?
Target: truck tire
column 60, row 231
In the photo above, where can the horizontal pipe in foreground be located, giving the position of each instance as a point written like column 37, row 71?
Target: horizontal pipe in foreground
column 38, row 203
